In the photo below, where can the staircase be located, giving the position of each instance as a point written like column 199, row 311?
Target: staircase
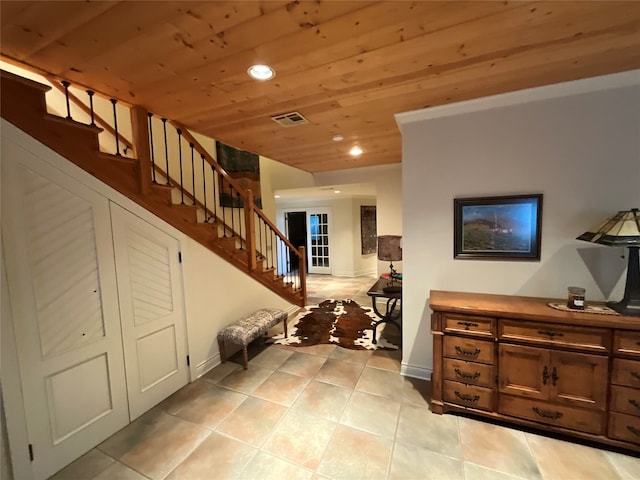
column 241, row 233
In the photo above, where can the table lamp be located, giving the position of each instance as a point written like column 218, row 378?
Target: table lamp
column 389, row 248
column 622, row 230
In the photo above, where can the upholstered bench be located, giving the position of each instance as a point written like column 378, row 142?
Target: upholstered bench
column 244, row 331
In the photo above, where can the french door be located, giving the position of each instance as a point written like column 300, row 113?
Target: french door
column 318, row 236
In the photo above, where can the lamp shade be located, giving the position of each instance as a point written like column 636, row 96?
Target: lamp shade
column 389, row 248
column 621, row 230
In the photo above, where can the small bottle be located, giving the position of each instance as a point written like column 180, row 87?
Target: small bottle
column 576, row 298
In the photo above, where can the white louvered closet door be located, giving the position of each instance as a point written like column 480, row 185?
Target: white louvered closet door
column 151, row 309
column 62, row 285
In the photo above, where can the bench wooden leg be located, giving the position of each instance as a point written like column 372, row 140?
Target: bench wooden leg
column 223, row 355
column 285, row 328
column 245, row 355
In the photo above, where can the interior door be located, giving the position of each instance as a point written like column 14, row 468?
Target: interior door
column 151, row 309
column 318, row 231
column 62, row 286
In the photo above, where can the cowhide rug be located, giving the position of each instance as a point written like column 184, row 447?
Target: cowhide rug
column 340, row 322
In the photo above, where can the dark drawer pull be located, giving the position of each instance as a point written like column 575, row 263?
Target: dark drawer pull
column 547, row 413
column 469, row 376
column 467, row 325
column 634, row 430
column 634, row 403
column 467, row 398
column 467, row 353
column 545, row 375
column 550, row 333
column 635, row 374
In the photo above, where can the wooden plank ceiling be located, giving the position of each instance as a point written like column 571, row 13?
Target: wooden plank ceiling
column 348, row 67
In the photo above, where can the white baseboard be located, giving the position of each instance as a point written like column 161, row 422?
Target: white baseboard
column 207, row 365
column 291, row 309
column 415, row 371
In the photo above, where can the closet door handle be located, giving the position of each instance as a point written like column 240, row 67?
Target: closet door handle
column 554, row 377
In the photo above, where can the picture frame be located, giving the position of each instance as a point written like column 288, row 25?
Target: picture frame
column 498, row 228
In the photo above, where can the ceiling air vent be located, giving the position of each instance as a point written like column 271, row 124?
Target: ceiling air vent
column 290, row 119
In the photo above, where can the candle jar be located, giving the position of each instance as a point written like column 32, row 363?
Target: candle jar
column 576, row 298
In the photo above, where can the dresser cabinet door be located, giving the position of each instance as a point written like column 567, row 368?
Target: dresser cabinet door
column 579, row 379
column 524, row 371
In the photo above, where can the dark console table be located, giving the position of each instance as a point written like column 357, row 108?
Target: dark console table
column 393, row 311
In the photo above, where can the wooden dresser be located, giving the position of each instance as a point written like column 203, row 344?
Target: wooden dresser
column 518, row 360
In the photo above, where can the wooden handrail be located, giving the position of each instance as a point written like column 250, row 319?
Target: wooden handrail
column 221, row 171
column 187, row 136
column 97, row 118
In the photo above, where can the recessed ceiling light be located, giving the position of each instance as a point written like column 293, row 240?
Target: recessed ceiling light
column 336, row 191
column 276, row 196
column 337, row 138
column 261, row 72
column 355, row 151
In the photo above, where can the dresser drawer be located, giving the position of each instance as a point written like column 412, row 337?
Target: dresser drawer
column 590, row 421
column 468, row 395
column 626, row 342
column 470, row 325
column 625, row 400
column 581, row 338
column 626, row 372
column 469, row 349
column 624, row 427
column 468, row 372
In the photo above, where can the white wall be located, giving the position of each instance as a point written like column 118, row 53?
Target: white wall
column 217, row 294
column 389, row 202
column 276, row 176
column 581, row 151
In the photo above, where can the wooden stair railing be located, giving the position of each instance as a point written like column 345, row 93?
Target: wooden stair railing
column 268, row 262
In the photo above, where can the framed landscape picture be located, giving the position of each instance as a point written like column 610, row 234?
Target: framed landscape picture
column 500, row 228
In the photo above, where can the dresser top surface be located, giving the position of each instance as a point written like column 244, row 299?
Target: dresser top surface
column 525, row 308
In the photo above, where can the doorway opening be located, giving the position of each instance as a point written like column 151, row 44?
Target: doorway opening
column 296, row 232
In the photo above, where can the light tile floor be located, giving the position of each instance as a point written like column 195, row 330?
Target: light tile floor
column 324, row 412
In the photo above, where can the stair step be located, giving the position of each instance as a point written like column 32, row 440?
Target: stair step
column 187, row 212
column 70, row 122
column 118, row 158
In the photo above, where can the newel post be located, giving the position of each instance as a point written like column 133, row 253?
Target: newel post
column 250, row 224
column 141, row 147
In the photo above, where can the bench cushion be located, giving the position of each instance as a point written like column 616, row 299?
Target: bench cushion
column 250, row 327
